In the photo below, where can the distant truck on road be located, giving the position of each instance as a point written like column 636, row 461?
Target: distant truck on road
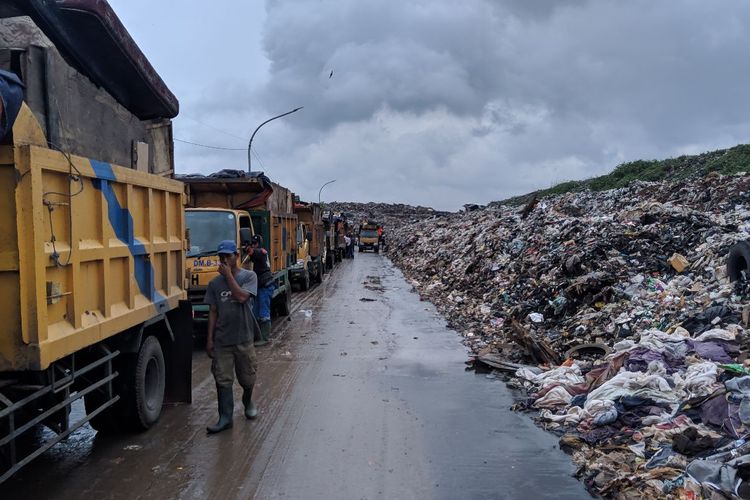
column 369, row 237
column 311, row 249
column 92, row 289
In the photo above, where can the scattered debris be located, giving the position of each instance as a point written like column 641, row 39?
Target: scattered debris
column 622, row 301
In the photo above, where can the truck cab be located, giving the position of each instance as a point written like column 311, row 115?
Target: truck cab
column 206, row 228
column 311, row 246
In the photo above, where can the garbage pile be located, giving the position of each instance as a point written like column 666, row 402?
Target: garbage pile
column 614, row 311
column 389, row 215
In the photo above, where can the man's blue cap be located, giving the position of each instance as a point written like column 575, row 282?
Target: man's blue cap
column 227, row 246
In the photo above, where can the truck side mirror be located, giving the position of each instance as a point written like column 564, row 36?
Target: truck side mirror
column 246, row 235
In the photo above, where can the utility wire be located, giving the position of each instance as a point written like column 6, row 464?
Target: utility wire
column 210, row 147
column 254, row 152
column 257, row 157
column 215, row 128
column 224, row 149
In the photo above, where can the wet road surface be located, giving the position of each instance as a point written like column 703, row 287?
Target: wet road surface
column 363, row 394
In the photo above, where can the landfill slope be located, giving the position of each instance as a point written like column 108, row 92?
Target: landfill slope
column 578, row 297
column 389, row 215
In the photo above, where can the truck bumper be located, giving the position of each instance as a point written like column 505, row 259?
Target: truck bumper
column 297, row 274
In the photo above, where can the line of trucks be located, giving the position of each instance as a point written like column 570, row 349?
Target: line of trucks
column 106, row 253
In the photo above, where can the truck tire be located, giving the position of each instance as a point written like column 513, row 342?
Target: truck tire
column 150, row 381
column 738, row 261
column 321, row 271
column 377, row 250
column 305, row 283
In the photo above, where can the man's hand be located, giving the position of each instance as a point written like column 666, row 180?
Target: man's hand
column 210, row 348
column 225, row 270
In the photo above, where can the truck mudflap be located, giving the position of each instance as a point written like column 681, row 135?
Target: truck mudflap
column 20, row 413
column 179, row 355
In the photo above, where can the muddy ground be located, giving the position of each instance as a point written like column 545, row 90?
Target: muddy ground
column 363, row 393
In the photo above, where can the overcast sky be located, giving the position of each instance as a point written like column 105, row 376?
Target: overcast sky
column 441, row 102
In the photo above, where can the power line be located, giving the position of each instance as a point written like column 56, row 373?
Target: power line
column 255, row 153
column 210, row 147
column 215, row 128
column 257, row 157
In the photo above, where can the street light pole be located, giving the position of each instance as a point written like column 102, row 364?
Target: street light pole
column 250, row 145
column 321, row 189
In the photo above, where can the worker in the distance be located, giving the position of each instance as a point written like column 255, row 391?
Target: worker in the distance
column 262, row 305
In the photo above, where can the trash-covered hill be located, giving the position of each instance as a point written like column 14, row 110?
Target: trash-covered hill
column 613, row 309
column 723, row 161
column 389, row 215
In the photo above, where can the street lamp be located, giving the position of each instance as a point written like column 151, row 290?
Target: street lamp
column 250, row 145
column 321, row 189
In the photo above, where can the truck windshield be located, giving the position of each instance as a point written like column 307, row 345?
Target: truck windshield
column 207, row 229
column 368, row 233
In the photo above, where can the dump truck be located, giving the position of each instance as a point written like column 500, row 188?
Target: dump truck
column 329, row 239
column 369, row 237
column 311, row 249
column 235, row 205
column 92, row 281
column 340, row 226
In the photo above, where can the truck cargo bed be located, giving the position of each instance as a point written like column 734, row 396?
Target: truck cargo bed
column 88, row 250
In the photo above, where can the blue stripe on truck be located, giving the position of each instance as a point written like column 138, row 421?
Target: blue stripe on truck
column 122, row 223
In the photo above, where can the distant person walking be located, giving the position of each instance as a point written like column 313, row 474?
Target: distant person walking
column 230, row 334
column 350, row 246
column 347, row 244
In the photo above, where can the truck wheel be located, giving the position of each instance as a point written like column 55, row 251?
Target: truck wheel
column 305, row 283
column 321, row 271
column 377, row 250
column 150, row 381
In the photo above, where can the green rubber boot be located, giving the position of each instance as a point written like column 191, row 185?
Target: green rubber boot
column 226, row 408
column 264, row 334
column 251, row 411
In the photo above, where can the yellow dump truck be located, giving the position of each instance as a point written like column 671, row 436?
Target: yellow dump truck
column 369, row 238
column 92, row 281
column 233, row 205
column 311, row 249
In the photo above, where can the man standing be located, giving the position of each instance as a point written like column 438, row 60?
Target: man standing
column 230, row 334
column 262, row 306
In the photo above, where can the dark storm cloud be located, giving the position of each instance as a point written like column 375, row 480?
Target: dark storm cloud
column 439, row 102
